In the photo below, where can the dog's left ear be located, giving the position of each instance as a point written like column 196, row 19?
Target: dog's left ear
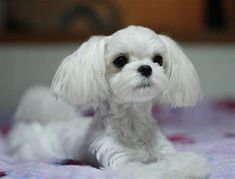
column 184, row 87
column 80, row 79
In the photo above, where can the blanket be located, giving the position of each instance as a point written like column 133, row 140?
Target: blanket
column 207, row 129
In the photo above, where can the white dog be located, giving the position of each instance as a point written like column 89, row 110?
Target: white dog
column 121, row 76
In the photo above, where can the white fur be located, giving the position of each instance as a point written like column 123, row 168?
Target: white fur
column 51, row 109
column 122, row 134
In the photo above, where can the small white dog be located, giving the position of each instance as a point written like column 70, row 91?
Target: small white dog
column 121, row 76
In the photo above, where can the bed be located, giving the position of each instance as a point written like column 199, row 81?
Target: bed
column 207, row 129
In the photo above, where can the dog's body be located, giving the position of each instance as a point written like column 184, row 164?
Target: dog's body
column 121, row 76
column 69, row 132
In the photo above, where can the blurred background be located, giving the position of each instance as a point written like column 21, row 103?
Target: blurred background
column 36, row 35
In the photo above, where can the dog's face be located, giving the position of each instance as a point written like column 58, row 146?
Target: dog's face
column 136, row 65
column 133, row 65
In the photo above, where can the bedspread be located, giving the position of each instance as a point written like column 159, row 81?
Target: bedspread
column 207, row 129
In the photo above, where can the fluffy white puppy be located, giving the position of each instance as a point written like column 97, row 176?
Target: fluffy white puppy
column 121, row 76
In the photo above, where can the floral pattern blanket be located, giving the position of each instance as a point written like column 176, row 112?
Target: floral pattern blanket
column 207, row 129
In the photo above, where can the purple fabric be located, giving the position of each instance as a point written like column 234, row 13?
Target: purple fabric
column 207, row 129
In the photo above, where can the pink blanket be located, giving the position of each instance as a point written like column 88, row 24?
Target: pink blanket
column 207, row 129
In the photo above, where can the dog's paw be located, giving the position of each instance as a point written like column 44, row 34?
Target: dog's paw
column 173, row 166
column 151, row 171
column 188, row 165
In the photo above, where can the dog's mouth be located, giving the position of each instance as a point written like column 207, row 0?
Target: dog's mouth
column 144, row 85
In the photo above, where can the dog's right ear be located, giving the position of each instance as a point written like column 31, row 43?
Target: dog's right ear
column 80, row 79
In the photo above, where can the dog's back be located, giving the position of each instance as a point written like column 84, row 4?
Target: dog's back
column 38, row 104
column 46, row 128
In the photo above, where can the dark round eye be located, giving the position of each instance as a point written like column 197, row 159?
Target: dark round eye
column 158, row 59
column 120, row 61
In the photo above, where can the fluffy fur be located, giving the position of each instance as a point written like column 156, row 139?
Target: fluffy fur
column 122, row 134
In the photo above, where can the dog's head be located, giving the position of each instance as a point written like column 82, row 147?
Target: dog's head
column 132, row 65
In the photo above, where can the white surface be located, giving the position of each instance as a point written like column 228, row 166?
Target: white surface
column 24, row 65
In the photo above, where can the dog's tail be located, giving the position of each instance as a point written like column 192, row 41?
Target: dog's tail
column 38, row 104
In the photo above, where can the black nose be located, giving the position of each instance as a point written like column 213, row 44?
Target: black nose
column 145, row 70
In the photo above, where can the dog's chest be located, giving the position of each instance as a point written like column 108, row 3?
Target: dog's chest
column 138, row 137
column 132, row 129
column 126, row 134
column 146, row 154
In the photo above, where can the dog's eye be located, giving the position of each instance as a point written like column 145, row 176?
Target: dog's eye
column 158, row 59
column 120, row 61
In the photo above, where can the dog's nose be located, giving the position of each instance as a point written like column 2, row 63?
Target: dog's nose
column 145, row 70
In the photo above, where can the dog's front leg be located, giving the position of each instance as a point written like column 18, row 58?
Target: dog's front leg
column 163, row 146
column 187, row 165
column 170, row 164
column 123, row 161
column 126, row 162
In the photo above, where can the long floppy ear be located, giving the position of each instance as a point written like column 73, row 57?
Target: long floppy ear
column 80, row 79
column 184, row 88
